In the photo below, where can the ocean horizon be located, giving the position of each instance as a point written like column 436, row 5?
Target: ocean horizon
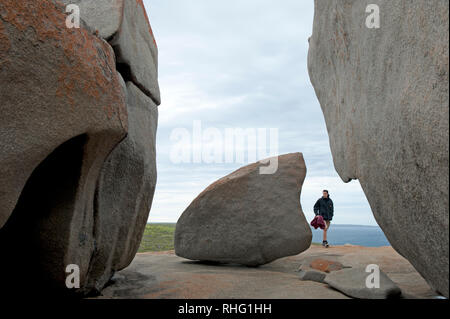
column 361, row 235
column 341, row 234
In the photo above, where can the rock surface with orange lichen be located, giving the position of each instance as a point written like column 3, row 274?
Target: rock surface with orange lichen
column 325, row 265
column 65, row 113
column 125, row 24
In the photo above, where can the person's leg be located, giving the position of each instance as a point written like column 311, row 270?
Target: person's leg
column 327, row 225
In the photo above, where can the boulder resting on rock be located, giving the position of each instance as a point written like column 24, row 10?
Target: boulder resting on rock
column 246, row 217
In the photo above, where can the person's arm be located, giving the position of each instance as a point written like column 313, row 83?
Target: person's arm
column 316, row 207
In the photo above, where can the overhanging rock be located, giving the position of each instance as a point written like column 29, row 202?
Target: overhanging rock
column 384, row 95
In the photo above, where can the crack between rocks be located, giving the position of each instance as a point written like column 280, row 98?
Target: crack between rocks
column 124, row 69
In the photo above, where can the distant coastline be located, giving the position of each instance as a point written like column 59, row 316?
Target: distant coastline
column 361, row 235
column 339, row 234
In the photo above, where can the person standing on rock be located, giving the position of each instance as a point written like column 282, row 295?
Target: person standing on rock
column 324, row 207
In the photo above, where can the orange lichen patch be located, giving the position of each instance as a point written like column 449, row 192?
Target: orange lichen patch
column 140, row 3
column 326, row 265
column 87, row 65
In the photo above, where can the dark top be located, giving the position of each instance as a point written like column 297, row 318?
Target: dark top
column 324, row 207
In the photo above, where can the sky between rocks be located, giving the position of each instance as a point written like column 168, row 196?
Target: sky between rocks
column 241, row 64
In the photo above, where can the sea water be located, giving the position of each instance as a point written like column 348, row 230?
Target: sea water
column 370, row 236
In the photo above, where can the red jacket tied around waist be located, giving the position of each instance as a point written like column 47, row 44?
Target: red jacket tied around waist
column 318, row 222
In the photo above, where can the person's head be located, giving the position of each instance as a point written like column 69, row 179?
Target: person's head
column 325, row 193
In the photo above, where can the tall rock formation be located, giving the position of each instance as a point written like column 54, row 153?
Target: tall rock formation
column 77, row 139
column 384, row 95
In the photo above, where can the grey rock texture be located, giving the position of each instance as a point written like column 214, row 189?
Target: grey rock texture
column 246, row 217
column 126, row 189
column 66, row 113
column 384, row 95
column 312, row 275
column 136, row 49
column 104, row 16
column 352, row 282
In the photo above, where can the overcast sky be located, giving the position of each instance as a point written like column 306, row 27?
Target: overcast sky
column 241, row 64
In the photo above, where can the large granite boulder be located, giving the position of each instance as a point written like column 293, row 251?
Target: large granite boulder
column 247, row 217
column 66, row 158
column 384, row 95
